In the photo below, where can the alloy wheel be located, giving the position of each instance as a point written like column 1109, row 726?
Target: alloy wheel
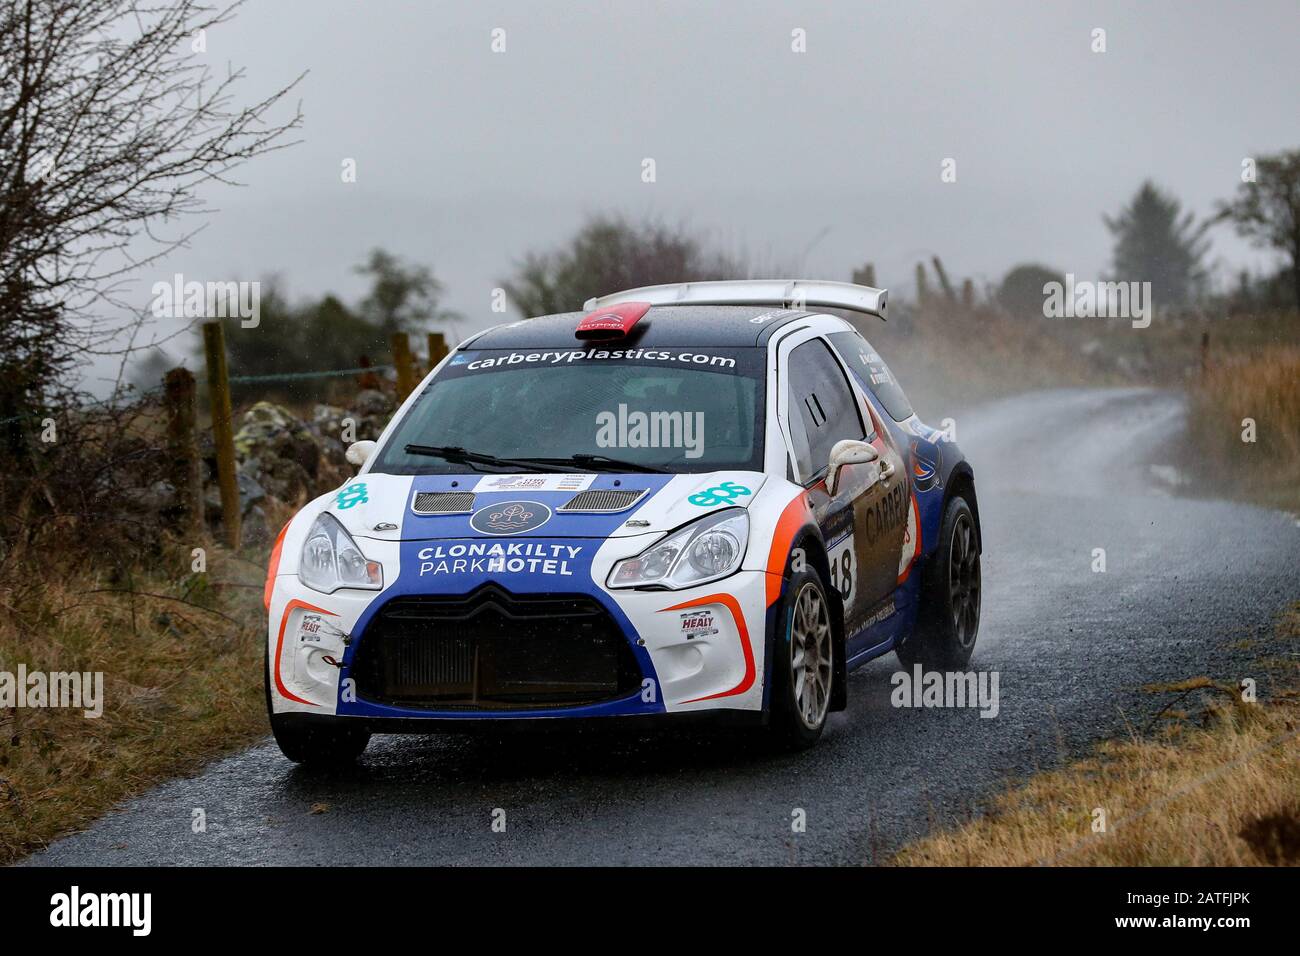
column 810, row 656
column 964, row 580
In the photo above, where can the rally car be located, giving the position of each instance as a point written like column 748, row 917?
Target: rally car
column 703, row 499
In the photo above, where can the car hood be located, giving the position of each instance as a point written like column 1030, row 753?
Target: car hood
column 601, row 505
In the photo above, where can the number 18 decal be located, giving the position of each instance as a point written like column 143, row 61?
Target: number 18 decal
column 843, row 567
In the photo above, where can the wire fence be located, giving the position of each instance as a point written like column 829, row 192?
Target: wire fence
column 142, row 394
column 171, row 446
column 298, row 376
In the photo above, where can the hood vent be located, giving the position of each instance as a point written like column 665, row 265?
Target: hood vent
column 606, row 501
column 443, row 503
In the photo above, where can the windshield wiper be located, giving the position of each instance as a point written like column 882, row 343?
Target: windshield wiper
column 582, row 462
column 458, row 455
column 591, row 461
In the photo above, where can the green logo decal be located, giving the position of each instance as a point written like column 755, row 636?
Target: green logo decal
column 352, row 495
column 723, row 494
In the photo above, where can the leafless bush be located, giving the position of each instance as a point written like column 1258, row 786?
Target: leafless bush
column 111, row 124
column 96, row 495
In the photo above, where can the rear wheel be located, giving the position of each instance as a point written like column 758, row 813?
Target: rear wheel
column 949, row 617
column 803, row 665
column 320, row 742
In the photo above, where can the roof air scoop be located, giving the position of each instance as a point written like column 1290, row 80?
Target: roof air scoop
column 611, row 322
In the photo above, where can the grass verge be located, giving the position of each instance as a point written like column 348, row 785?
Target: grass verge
column 1264, row 387
column 1220, row 787
column 181, row 656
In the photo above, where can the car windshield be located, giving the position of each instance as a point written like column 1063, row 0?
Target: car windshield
column 596, row 409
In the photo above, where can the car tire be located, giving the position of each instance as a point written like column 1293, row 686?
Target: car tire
column 323, row 744
column 948, row 620
column 804, row 648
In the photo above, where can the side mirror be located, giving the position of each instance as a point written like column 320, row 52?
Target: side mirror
column 849, row 451
column 359, row 452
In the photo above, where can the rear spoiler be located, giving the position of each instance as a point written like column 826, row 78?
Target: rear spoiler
column 782, row 293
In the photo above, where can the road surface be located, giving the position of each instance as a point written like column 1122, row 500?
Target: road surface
column 1059, row 474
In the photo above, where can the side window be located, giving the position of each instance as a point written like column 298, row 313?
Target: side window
column 873, row 373
column 799, row 439
column 822, row 407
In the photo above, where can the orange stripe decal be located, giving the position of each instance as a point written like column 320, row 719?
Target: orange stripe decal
column 732, row 605
column 794, row 517
column 273, row 566
column 916, row 545
column 279, row 646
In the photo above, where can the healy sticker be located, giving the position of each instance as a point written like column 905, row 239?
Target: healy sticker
column 697, row 624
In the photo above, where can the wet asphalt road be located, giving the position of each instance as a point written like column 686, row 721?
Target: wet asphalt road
column 1058, row 474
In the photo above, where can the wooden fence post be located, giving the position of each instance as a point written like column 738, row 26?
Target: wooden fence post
column 945, row 283
column 223, row 433
column 865, row 276
column 183, row 450
column 437, row 349
column 366, row 379
column 401, row 347
column 1205, row 355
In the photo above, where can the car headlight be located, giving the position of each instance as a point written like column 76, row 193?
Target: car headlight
column 702, row 551
column 331, row 560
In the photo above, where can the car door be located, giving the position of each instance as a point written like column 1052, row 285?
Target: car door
column 864, row 522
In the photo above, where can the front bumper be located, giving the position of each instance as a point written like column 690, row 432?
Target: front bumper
column 721, row 718
column 693, row 651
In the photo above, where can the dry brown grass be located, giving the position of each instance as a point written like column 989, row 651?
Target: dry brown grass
column 181, row 685
column 1264, row 386
column 1224, row 791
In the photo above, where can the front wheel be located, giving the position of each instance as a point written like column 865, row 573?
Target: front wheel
column 802, row 669
column 949, row 617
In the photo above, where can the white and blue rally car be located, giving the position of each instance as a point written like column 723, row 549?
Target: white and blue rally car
column 707, row 498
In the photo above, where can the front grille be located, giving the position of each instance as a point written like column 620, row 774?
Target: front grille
column 443, row 502
column 493, row 650
column 609, row 499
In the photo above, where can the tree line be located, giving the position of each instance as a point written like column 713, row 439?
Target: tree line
column 109, row 126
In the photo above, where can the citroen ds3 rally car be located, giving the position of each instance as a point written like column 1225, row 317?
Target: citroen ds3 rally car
column 698, row 499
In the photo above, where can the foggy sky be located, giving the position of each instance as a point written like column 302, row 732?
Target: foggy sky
column 467, row 159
